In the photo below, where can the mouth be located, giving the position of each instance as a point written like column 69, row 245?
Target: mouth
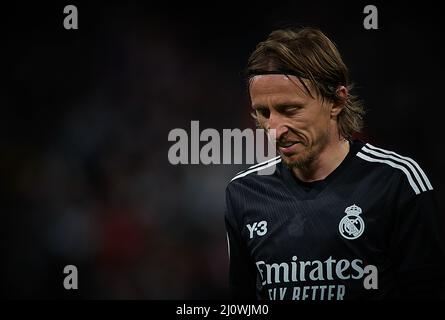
column 288, row 147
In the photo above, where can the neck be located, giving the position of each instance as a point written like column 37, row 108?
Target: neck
column 326, row 161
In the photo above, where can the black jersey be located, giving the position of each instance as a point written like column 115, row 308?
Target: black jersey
column 324, row 240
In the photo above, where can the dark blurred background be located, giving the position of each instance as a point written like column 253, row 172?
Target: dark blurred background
column 86, row 115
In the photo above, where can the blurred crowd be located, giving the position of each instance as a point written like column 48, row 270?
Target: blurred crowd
column 85, row 161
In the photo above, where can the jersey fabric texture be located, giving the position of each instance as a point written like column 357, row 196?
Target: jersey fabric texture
column 370, row 230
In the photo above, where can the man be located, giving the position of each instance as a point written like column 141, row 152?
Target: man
column 338, row 219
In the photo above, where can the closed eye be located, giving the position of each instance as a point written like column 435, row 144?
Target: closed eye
column 289, row 109
column 262, row 112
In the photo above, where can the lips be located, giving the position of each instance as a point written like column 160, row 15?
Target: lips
column 288, row 147
column 286, row 144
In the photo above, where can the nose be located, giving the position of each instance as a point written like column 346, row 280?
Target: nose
column 276, row 122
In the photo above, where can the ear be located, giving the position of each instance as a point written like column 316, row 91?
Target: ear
column 342, row 94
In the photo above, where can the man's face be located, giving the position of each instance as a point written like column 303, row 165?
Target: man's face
column 302, row 122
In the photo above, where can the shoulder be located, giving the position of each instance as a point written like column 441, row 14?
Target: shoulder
column 252, row 187
column 266, row 168
column 388, row 161
column 259, row 175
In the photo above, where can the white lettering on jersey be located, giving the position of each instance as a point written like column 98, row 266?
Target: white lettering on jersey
column 260, row 228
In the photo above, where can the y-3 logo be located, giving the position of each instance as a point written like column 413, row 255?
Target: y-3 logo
column 259, row 227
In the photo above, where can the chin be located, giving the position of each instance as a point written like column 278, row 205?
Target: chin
column 301, row 160
column 292, row 161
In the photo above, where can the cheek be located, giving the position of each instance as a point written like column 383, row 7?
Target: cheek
column 303, row 124
column 321, row 121
column 312, row 127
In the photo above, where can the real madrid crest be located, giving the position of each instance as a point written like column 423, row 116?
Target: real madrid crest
column 352, row 225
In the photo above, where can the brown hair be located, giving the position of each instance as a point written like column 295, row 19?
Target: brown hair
column 308, row 54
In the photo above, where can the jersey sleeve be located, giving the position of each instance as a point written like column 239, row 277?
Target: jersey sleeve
column 242, row 272
column 418, row 245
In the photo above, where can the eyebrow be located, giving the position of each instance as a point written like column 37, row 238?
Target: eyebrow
column 289, row 105
column 280, row 106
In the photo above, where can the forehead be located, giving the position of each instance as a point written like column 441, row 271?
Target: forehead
column 276, row 85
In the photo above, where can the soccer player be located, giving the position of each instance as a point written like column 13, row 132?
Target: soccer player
column 339, row 218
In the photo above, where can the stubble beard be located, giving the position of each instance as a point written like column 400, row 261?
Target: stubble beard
column 306, row 159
